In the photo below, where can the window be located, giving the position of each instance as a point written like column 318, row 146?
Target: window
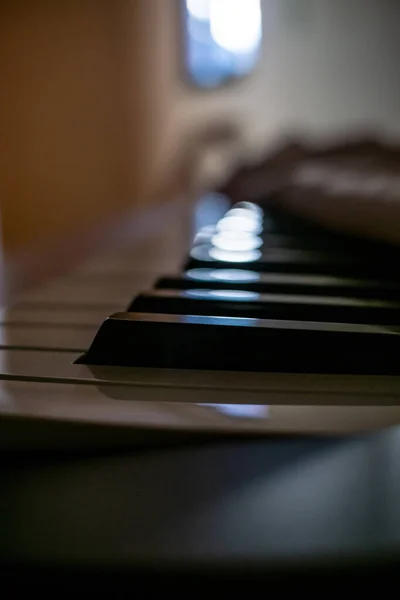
column 222, row 39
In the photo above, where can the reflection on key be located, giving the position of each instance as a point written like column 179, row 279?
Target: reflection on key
column 286, row 283
column 238, row 238
column 205, row 235
column 291, row 260
column 250, row 206
column 246, row 303
column 231, row 256
column 215, row 275
column 236, row 242
column 298, row 300
column 241, row 411
column 241, row 295
column 229, row 344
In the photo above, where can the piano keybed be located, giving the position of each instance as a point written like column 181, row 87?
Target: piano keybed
column 274, row 326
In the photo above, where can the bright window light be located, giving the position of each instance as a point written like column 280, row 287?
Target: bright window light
column 236, row 24
column 199, row 9
column 223, row 39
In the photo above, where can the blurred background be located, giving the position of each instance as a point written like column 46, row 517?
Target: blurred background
column 99, row 97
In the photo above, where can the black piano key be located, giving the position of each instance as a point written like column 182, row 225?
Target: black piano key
column 280, row 221
column 211, row 254
column 242, row 237
column 288, row 260
column 232, row 344
column 244, row 303
column 327, row 243
column 280, row 283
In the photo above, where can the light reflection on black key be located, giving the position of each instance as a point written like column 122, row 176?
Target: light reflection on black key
column 234, row 242
column 211, row 253
column 228, row 295
column 289, row 260
column 240, row 220
column 287, row 283
column 217, row 343
column 241, row 411
column 239, row 238
column 252, row 207
column 245, row 303
column 208, row 253
column 231, row 275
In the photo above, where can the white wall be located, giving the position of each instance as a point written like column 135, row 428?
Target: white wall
column 325, row 64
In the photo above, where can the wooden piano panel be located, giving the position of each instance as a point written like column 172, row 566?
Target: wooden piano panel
column 84, row 110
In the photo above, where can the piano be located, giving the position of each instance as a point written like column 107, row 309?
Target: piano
column 218, row 397
column 192, row 392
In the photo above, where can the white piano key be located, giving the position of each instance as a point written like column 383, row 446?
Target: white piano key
column 51, row 403
column 192, row 386
column 89, row 316
column 75, row 292
column 42, row 335
column 154, row 255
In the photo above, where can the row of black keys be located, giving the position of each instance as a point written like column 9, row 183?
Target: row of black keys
column 310, row 302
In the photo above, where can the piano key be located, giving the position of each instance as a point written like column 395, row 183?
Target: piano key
column 243, row 344
column 289, row 230
column 287, row 283
column 175, row 385
column 50, row 416
column 40, row 316
column 245, row 303
column 77, row 292
column 281, row 221
column 289, row 260
column 45, row 412
column 210, row 253
column 296, row 234
column 41, row 335
column 327, row 244
column 275, row 223
column 251, row 206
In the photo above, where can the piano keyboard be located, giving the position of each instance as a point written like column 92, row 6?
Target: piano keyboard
column 272, row 326
column 293, row 487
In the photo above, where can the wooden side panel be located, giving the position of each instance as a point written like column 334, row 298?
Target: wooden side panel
column 81, row 108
